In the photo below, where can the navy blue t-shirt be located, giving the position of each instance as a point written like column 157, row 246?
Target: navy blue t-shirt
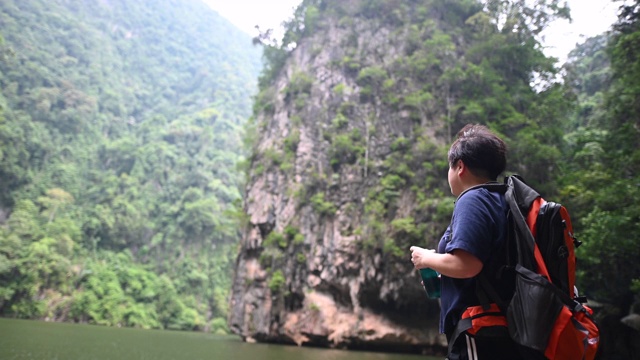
column 478, row 226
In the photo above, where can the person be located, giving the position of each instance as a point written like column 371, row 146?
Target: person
column 473, row 242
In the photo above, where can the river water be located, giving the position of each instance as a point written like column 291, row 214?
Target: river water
column 36, row 340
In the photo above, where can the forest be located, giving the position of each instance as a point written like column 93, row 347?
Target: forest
column 120, row 138
column 126, row 139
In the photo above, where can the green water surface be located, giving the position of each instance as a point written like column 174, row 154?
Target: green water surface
column 35, row 340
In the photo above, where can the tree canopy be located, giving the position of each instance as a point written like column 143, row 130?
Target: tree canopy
column 120, row 134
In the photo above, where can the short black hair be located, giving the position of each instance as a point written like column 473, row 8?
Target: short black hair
column 482, row 151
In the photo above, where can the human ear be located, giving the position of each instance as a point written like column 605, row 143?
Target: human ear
column 461, row 167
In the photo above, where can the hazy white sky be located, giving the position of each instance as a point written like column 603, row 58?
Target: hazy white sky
column 246, row 14
column 590, row 17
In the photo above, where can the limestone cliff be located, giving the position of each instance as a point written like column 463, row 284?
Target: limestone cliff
column 348, row 170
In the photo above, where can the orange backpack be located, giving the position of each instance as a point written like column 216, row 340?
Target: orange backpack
column 545, row 316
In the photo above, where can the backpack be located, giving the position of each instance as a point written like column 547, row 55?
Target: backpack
column 545, row 316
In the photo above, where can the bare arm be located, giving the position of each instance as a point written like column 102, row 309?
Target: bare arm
column 457, row 264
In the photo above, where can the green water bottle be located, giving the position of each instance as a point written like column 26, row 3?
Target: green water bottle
column 431, row 282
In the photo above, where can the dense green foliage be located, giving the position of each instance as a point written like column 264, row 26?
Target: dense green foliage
column 466, row 61
column 120, row 133
column 602, row 182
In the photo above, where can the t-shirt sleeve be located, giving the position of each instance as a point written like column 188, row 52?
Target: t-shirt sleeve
column 471, row 227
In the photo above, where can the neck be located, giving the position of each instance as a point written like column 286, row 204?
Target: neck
column 471, row 180
column 479, row 184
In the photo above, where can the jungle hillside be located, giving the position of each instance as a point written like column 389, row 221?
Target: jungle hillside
column 120, row 137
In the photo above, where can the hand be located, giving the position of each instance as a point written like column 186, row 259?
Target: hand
column 420, row 256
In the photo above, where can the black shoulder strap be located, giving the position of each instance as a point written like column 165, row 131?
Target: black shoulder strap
column 523, row 194
column 520, row 196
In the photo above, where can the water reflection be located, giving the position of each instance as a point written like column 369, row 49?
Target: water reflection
column 35, row 340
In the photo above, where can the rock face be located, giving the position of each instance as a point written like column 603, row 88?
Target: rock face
column 324, row 257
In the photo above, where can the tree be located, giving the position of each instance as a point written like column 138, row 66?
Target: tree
column 608, row 183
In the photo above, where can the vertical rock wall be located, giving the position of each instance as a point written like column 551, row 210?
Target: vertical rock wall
column 310, row 270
